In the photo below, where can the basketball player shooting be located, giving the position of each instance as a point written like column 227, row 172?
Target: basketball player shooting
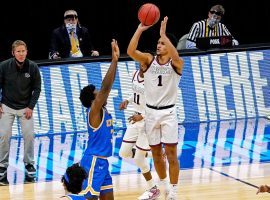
column 161, row 76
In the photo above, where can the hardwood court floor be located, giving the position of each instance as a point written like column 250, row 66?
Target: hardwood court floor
column 223, row 183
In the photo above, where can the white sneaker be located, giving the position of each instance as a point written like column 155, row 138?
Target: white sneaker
column 150, row 194
column 171, row 195
column 167, row 191
column 166, row 188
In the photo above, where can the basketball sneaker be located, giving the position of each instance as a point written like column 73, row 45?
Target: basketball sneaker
column 4, row 181
column 167, row 191
column 171, row 194
column 3, row 176
column 30, row 170
column 150, row 194
column 3, row 171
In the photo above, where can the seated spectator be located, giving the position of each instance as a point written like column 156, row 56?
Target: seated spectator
column 71, row 39
column 182, row 42
column 72, row 181
column 209, row 27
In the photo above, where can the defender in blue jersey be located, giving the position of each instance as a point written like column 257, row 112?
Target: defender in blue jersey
column 100, row 130
column 72, row 181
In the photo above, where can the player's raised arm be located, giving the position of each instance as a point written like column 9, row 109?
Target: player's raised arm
column 132, row 50
column 102, row 95
column 173, row 53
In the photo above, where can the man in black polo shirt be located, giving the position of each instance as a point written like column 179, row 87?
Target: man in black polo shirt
column 20, row 86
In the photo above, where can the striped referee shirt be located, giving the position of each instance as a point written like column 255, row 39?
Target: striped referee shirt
column 202, row 29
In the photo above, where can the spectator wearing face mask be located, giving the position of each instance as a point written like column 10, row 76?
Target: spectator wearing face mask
column 71, row 39
column 209, row 27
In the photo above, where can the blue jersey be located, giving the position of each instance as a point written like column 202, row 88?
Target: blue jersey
column 75, row 197
column 100, row 138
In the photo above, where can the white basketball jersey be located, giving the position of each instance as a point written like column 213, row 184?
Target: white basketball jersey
column 161, row 84
column 137, row 98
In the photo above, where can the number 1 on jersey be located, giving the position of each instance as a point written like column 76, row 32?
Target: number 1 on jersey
column 159, row 80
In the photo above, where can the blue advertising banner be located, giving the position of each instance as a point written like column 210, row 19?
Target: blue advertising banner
column 222, row 99
column 220, row 86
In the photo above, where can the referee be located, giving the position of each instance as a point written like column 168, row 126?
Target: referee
column 209, row 27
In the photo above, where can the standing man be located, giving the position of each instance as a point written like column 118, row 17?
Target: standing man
column 20, row 86
column 161, row 76
column 71, row 39
column 100, row 130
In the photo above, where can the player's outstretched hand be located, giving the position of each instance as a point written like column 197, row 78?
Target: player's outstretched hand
column 163, row 26
column 115, row 50
column 142, row 27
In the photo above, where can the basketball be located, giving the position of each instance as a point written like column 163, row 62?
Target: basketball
column 148, row 14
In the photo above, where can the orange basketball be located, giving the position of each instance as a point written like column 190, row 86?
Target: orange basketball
column 148, row 14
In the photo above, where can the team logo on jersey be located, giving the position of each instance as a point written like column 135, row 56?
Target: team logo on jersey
column 138, row 89
column 161, row 70
column 27, row 75
column 109, row 122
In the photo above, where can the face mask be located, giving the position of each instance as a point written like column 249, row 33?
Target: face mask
column 213, row 21
column 70, row 27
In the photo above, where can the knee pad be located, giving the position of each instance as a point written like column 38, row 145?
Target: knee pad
column 126, row 150
column 141, row 161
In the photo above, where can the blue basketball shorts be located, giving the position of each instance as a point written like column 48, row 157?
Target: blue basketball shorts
column 99, row 179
